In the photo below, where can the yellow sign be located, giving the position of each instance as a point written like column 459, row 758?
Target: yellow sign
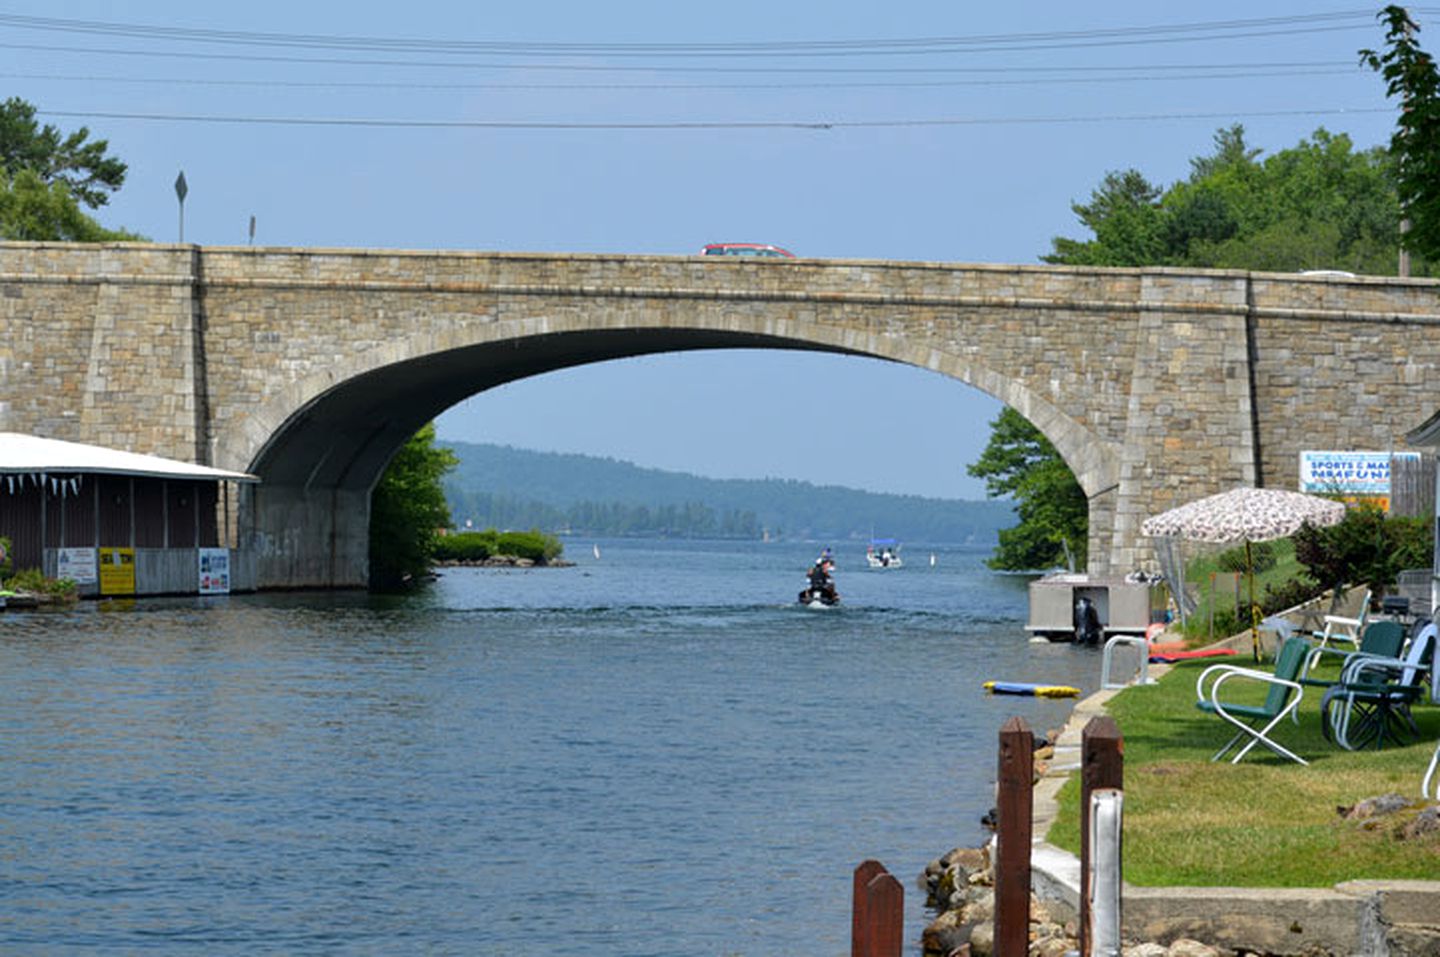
column 117, row 571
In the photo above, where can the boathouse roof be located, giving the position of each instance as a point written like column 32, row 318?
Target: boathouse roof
column 22, row 454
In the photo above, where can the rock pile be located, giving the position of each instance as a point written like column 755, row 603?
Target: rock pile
column 1408, row 820
column 961, row 887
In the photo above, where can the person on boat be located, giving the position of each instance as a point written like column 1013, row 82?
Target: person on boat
column 820, row 581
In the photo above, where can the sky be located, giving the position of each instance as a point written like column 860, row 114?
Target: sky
column 935, row 131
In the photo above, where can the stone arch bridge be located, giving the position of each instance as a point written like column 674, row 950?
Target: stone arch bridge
column 309, row 367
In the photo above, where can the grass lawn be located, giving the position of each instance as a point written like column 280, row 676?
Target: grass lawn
column 1266, row 822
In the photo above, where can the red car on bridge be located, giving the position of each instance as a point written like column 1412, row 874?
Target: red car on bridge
column 746, row 249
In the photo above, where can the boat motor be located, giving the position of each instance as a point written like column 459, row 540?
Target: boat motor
column 1087, row 622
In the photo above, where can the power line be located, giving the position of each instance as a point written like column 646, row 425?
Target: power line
column 652, row 69
column 993, row 81
column 697, row 125
column 950, row 47
column 1224, row 29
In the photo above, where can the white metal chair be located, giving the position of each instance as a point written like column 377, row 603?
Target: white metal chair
column 1282, row 699
column 1425, row 785
column 1344, row 627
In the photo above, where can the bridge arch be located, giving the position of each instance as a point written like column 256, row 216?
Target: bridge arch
column 324, row 441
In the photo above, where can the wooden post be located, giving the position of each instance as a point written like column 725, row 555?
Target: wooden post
column 1015, row 806
column 1102, row 765
column 877, row 922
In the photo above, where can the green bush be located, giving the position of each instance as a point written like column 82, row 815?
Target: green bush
column 8, row 563
column 1287, row 594
column 1262, row 558
column 478, row 546
column 1228, row 622
column 534, row 545
column 32, row 581
column 1366, row 548
column 465, row 546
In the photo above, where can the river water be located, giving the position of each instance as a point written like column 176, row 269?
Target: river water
column 654, row 752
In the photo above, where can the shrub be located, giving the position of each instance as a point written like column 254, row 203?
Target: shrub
column 1287, row 594
column 32, row 581
column 465, row 547
column 1262, row 558
column 478, row 546
column 1365, row 548
column 8, row 563
column 534, row 545
column 1228, row 622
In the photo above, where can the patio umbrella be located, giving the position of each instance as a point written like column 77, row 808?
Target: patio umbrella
column 1248, row 515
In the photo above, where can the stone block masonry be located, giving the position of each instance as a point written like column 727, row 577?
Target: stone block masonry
column 310, row 366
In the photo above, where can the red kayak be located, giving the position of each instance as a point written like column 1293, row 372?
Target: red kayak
column 1167, row 657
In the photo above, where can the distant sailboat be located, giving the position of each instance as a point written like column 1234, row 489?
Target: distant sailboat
column 596, row 550
column 932, row 559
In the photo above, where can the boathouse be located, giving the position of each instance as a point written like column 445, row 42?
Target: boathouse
column 119, row 523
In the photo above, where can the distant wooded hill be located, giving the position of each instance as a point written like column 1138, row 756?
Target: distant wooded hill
column 504, row 487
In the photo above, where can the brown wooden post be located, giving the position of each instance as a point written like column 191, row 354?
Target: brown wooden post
column 860, row 908
column 1015, row 806
column 887, row 916
column 877, row 922
column 1102, row 765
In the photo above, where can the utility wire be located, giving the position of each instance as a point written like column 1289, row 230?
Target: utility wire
column 568, row 67
column 696, row 125
column 1268, row 26
column 663, row 87
column 1013, row 47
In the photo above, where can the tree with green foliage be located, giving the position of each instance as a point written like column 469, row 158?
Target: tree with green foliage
column 1410, row 75
column 1124, row 215
column 32, row 210
column 47, row 177
column 1318, row 205
column 1054, row 514
column 407, row 510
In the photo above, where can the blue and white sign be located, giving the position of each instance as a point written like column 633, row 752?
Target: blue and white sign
column 1361, row 474
column 214, row 571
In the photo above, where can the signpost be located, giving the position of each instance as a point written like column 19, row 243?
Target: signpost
column 180, row 190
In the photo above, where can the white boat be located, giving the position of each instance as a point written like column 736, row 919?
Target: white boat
column 883, row 553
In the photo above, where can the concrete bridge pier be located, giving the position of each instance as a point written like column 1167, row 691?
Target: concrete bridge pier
column 306, row 537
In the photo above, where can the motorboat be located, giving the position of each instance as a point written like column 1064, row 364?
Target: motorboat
column 819, row 590
column 816, row 597
column 883, row 553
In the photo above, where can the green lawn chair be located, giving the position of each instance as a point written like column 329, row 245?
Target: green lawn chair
column 1282, row 697
column 1381, row 639
column 1370, row 704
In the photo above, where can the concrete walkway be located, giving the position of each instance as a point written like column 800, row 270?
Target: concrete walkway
column 1394, row 918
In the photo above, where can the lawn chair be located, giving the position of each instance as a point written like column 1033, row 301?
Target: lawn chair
column 1425, row 790
column 1370, row 704
column 1339, row 627
column 1283, row 697
column 1381, row 639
